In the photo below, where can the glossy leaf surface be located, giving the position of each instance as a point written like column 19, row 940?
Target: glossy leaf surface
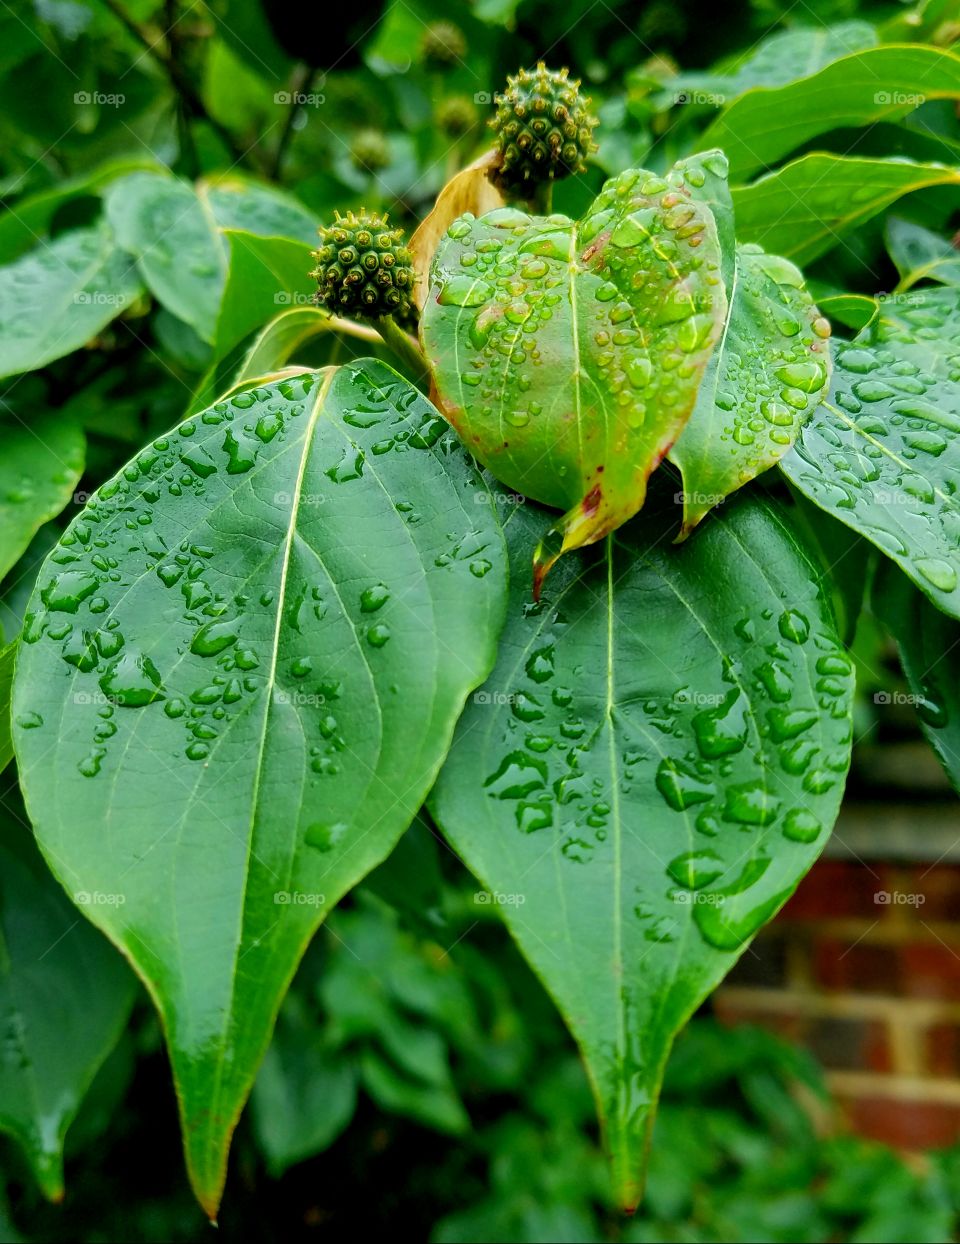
column 568, row 354
column 882, row 452
column 655, row 762
column 244, row 662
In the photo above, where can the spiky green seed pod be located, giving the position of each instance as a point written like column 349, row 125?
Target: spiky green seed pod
column 456, row 116
column 544, row 127
column 363, row 267
column 369, row 151
column 443, row 44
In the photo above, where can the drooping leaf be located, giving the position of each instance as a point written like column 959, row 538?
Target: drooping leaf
column 920, row 254
column 882, row 452
column 470, row 190
column 246, row 682
column 856, row 311
column 568, row 354
column 265, row 276
column 873, row 84
column 929, row 644
column 59, row 295
column 305, row 1093
column 761, row 382
column 806, row 208
column 175, row 231
column 659, row 760
column 41, row 460
column 65, row 994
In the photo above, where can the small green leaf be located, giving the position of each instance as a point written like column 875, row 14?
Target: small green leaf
column 568, row 354
column 920, row 254
column 246, row 682
column 265, row 276
column 929, row 644
column 765, row 124
column 65, row 995
column 40, row 465
column 658, row 759
column 59, row 295
column 305, row 1093
column 881, row 454
column 805, row 208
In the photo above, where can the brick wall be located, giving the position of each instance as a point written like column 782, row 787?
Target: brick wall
column 863, row 967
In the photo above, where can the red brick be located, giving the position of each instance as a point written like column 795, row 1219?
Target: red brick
column 940, row 890
column 857, row 967
column 791, row 1025
column 846, row 1044
column 930, row 971
column 904, row 1124
column 838, row 889
column 943, row 1050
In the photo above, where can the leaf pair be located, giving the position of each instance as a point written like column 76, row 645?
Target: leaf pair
column 571, row 355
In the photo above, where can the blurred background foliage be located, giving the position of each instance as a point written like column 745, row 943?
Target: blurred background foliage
column 419, row 1075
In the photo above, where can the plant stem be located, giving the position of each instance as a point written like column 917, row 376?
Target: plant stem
column 302, row 84
column 180, row 81
column 402, row 344
column 542, row 199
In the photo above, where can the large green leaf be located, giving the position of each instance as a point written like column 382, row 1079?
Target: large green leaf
column 920, row 254
column 654, row 763
column 65, row 996
column 175, row 231
column 808, row 206
column 59, row 295
column 40, row 464
column 763, row 379
column 777, row 60
column 882, row 453
column 568, row 354
column 244, row 661
column 8, row 655
column 929, row 644
column 767, row 123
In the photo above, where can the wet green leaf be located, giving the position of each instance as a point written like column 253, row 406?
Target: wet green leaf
column 65, row 995
column 882, row 452
column 568, row 354
column 763, row 380
column 41, row 460
column 658, row 759
column 59, row 295
column 246, row 682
